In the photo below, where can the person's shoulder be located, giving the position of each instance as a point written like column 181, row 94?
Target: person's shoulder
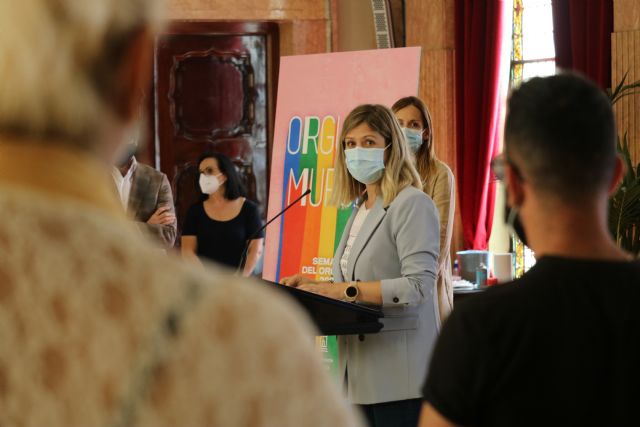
column 239, row 322
column 250, row 204
column 250, row 208
column 196, row 208
column 411, row 197
column 442, row 169
column 214, row 286
column 410, row 194
column 440, row 179
column 215, row 320
column 154, row 177
column 149, row 309
column 253, row 301
column 149, row 171
column 507, row 302
column 495, row 297
column 480, row 319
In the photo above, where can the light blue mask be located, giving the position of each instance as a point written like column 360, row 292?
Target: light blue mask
column 365, row 165
column 414, row 138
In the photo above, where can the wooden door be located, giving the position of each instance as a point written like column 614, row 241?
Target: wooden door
column 215, row 91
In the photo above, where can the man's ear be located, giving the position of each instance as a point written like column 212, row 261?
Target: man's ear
column 133, row 75
column 515, row 190
column 618, row 174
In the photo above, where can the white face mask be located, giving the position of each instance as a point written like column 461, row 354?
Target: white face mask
column 209, row 184
column 365, row 165
column 414, row 138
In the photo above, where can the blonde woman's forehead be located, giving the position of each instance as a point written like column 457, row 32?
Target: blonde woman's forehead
column 362, row 131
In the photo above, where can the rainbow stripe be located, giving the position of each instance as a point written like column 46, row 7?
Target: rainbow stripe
column 311, row 230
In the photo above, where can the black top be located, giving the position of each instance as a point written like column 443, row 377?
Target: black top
column 560, row 346
column 222, row 241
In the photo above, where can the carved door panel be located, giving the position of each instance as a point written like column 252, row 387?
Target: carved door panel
column 213, row 93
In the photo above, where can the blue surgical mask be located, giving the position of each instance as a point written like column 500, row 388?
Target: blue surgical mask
column 414, row 138
column 366, row 165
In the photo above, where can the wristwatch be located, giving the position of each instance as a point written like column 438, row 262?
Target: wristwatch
column 351, row 292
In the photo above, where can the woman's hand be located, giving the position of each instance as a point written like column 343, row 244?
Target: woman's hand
column 326, row 289
column 297, row 280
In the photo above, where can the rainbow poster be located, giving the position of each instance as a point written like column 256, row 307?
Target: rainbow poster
column 315, row 93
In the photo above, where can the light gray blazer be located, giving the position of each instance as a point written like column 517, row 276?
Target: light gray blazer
column 398, row 245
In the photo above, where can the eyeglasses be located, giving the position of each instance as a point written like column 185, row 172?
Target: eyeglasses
column 498, row 166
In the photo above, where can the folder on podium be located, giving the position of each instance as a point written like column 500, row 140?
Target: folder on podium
column 333, row 317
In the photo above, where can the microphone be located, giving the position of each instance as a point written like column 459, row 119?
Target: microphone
column 243, row 257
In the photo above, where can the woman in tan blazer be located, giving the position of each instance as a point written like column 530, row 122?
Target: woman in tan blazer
column 438, row 183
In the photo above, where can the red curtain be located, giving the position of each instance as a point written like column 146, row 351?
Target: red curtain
column 582, row 37
column 478, row 45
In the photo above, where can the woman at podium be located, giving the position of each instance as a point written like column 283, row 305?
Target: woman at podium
column 387, row 256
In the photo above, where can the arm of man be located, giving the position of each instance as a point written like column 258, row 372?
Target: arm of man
column 162, row 223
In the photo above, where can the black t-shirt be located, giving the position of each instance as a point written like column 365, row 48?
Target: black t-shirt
column 222, row 241
column 560, row 346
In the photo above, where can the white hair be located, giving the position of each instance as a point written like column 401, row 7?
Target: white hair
column 58, row 63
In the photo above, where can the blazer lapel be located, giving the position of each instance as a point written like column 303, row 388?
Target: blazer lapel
column 337, row 271
column 371, row 222
column 139, row 182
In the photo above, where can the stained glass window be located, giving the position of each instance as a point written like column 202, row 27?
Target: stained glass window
column 533, row 51
column 532, row 55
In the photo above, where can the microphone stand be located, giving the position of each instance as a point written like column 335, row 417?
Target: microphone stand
column 245, row 250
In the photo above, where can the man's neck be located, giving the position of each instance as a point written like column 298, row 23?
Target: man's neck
column 125, row 168
column 573, row 233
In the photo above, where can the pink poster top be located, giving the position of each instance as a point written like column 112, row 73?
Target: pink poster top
column 315, row 93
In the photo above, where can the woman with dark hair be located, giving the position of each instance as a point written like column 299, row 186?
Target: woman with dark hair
column 218, row 227
column 437, row 182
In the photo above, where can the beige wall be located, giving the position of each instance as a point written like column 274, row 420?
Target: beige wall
column 436, row 37
column 625, row 48
column 355, row 25
column 430, row 24
column 304, row 23
column 247, row 9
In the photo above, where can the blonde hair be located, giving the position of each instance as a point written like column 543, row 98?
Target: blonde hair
column 60, row 60
column 426, row 155
column 399, row 171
